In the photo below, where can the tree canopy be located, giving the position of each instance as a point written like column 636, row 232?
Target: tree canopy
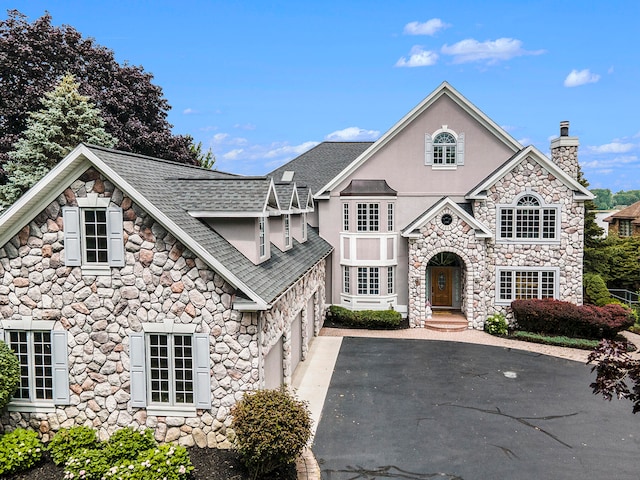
column 605, row 200
column 66, row 119
column 35, row 56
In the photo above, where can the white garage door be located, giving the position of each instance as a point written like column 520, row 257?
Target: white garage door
column 273, row 374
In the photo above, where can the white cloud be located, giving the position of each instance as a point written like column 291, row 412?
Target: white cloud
column 189, row 111
column 582, row 77
column 613, row 147
column 610, row 162
column 430, row 27
column 471, row 50
column 418, row 58
column 219, row 137
column 352, row 134
column 233, row 154
column 290, row 150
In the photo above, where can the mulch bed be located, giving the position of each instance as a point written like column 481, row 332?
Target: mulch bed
column 209, row 463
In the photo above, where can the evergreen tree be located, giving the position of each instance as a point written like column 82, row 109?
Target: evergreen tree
column 66, row 119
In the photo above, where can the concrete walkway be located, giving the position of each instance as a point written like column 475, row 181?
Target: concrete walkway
column 311, row 379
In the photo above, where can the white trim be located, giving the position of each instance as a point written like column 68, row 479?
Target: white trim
column 218, row 214
column 93, row 201
column 95, row 270
column 443, row 89
column 19, row 405
column 171, row 411
column 580, row 192
column 169, row 327
column 383, row 257
column 27, row 323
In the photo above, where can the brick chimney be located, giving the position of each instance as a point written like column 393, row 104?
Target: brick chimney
column 564, row 151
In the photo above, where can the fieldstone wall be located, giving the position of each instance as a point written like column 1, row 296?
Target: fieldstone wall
column 458, row 238
column 161, row 280
column 277, row 321
column 566, row 253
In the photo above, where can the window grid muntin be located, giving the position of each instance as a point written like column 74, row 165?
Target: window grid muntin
column 444, row 149
column 526, row 284
column 527, row 223
column 287, row 230
column 368, row 280
column 34, row 352
column 390, row 280
column 95, row 239
column 261, row 236
column 528, row 220
column 171, row 376
column 624, row 228
column 345, row 217
column 390, row 226
column 346, row 279
column 368, row 217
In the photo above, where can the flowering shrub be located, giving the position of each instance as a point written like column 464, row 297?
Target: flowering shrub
column 496, row 324
column 19, row 451
column 272, row 428
column 69, row 440
column 86, row 464
column 9, row 374
column 127, row 444
column 167, row 462
column 563, row 318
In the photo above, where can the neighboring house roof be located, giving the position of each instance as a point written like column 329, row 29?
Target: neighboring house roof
column 443, row 89
column 145, row 180
column 319, row 165
column 446, row 203
column 632, row 212
column 479, row 191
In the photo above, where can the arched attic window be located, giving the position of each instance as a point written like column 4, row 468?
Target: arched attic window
column 444, row 148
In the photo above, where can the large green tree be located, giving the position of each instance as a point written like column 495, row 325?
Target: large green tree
column 35, row 55
column 66, row 119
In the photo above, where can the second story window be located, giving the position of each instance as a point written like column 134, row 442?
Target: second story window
column 261, row 236
column 529, row 219
column 368, row 217
column 345, row 217
column 624, row 228
column 304, row 226
column 287, row 230
column 444, row 149
column 390, row 217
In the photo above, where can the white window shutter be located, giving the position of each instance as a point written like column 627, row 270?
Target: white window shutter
column 72, row 243
column 115, row 236
column 460, row 149
column 138, row 373
column 60, row 361
column 428, row 149
column 203, row 371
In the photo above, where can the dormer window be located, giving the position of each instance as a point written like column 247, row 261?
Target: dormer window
column 444, row 149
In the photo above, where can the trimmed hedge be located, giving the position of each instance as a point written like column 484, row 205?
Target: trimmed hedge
column 563, row 318
column 371, row 319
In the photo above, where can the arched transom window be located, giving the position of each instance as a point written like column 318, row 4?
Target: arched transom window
column 529, row 218
column 444, row 149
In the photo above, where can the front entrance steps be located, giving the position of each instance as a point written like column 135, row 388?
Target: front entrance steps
column 447, row 321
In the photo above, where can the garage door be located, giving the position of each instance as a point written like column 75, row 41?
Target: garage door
column 273, row 374
column 296, row 342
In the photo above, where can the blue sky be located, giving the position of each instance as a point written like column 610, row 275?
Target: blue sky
column 261, row 82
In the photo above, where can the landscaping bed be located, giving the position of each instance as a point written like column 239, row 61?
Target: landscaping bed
column 209, row 463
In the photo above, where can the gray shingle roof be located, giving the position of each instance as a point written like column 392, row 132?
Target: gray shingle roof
column 153, row 179
column 222, row 194
column 321, row 164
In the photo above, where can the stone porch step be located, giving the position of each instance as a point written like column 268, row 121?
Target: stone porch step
column 442, row 325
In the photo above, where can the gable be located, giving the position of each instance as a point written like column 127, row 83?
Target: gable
column 403, row 146
column 446, row 206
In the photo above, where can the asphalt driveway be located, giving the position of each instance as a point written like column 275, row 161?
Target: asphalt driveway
column 414, row 409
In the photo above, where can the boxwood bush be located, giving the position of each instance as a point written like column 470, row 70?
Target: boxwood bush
column 371, row 319
column 70, row 440
column 272, row 427
column 563, row 318
column 9, row 374
column 19, row 451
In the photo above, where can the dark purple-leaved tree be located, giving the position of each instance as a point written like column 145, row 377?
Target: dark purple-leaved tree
column 35, row 56
column 617, row 373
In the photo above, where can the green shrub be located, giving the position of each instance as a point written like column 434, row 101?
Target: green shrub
column 166, row 462
column 9, row 374
column 19, row 451
column 69, row 440
column 272, row 427
column 86, row 464
column 496, row 324
column 371, row 319
column 127, row 444
column 595, row 290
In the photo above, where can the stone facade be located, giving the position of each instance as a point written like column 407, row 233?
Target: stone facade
column 162, row 281
column 482, row 257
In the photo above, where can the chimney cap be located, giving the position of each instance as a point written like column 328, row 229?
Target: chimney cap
column 564, row 128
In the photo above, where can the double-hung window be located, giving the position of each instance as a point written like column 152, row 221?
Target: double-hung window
column 390, row 280
column 526, row 284
column 368, row 217
column 529, row 219
column 368, row 281
column 93, row 234
column 345, row 217
column 444, row 149
column 390, row 223
column 43, row 357
column 261, row 236
column 346, row 279
column 170, row 371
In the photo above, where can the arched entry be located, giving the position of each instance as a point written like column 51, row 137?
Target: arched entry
column 444, row 281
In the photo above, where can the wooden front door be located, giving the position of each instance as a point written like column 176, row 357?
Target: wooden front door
column 441, row 286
